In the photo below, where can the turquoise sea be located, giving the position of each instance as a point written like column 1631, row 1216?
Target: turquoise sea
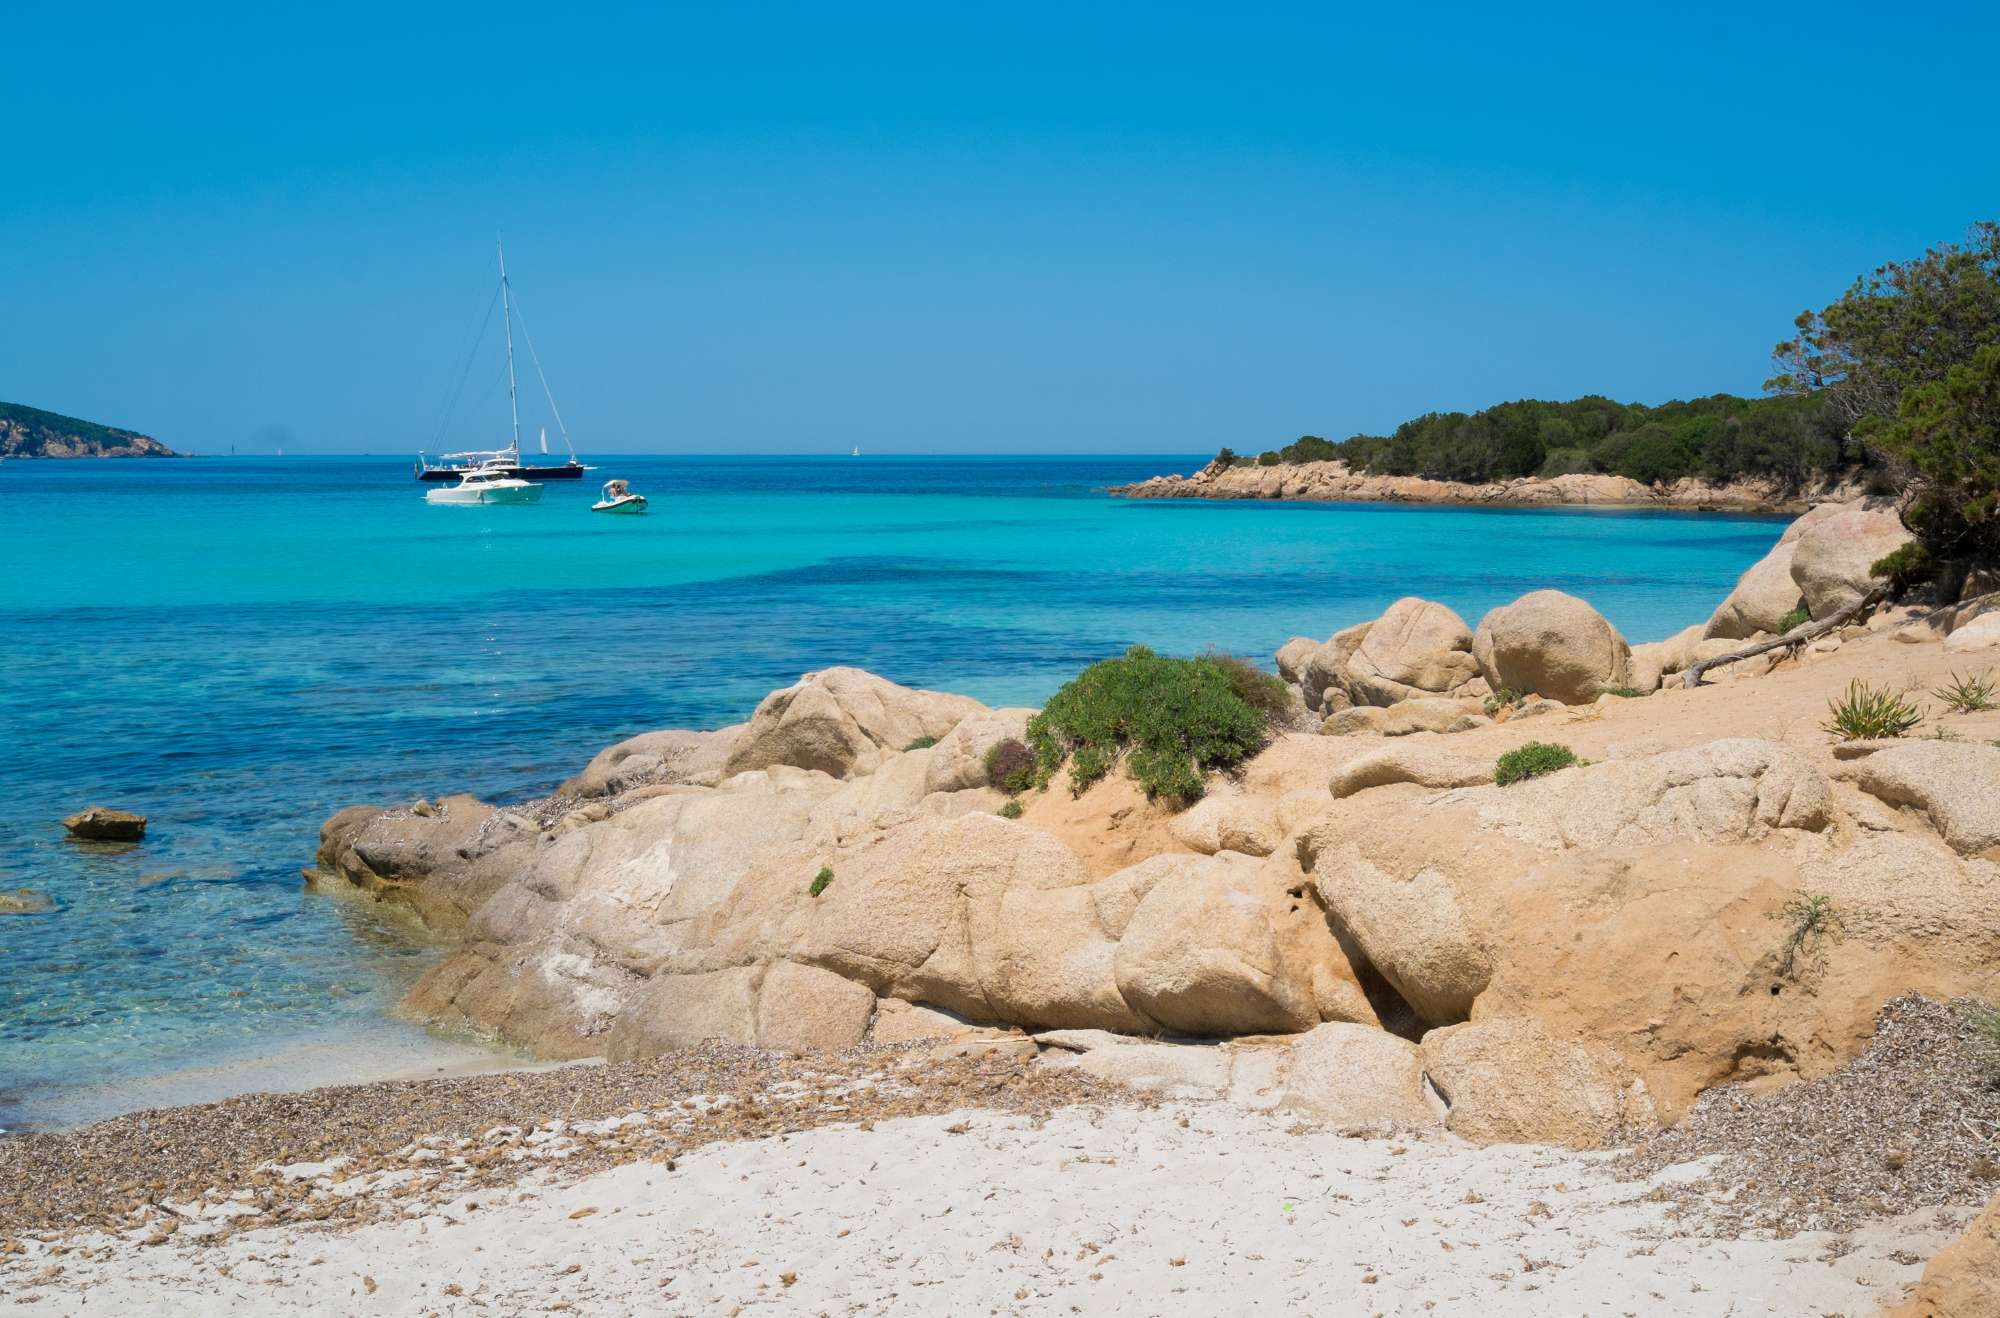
column 238, row 648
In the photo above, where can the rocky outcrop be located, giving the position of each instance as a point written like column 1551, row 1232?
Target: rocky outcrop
column 1338, row 482
column 843, row 721
column 1513, row 1081
column 1416, row 651
column 1833, row 555
column 1554, row 645
column 1761, row 599
column 1953, row 786
column 29, row 432
column 99, row 824
column 670, row 756
column 24, row 901
column 1963, row 1281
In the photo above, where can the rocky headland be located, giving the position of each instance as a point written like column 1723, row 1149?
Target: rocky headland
column 29, row 432
column 1337, row 482
column 1698, row 905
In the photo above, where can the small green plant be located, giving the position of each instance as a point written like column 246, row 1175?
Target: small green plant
column 921, row 743
column 1943, row 733
column 1010, row 766
column 1505, row 698
column 1811, row 926
column 1012, row 810
column 1969, row 694
column 1531, row 761
column 1171, row 719
column 1868, row 712
column 820, row 880
column 1798, row 617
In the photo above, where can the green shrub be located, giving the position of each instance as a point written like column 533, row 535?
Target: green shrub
column 1867, row 712
column 1505, row 698
column 1266, row 694
column 921, row 743
column 820, row 880
column 1010, row 766
column 1531, row 761
column 1798, row 617
column 1011, row 810
column 1175, row 717
column 1969, row 695
column 1812, row 924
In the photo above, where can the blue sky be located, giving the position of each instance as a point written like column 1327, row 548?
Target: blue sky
column 933, row 228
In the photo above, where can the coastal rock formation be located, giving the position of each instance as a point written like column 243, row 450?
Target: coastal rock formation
column 29, row 432
column 1553, row 645
column 1963, row 1280
column 1558, row 959
column 1831, row 558
column 98, row 824
column 24, row 901
column 841, row 721
column 1762, row 598
column 669, row 756
column 1336, row 481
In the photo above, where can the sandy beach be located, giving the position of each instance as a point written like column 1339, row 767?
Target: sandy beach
column 1177, row 1208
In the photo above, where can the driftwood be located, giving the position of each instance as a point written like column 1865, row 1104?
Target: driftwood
column 1797, row 636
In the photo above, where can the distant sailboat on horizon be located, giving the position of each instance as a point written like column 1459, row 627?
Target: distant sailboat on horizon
column 857, row 451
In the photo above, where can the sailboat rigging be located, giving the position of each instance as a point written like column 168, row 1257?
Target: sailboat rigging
column 452, row 466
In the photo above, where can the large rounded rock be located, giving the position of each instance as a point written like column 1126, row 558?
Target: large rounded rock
column 958, row 761
column 1554, row 645
column 1412, row 931
column 1511, row 1081
column 1206, row 952
column 673, row 755
column 1357, row 1077
column 1831, row 560
column 1763, row 596
column 1954, row 786
column 1323, row 676
column 1415, row 648
column 842, row 721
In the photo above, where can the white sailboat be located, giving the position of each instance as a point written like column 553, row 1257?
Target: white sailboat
column 454, row 466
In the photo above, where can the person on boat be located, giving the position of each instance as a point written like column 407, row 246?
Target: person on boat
column 616, row 489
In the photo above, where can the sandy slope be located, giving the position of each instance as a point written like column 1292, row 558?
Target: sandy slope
column 1189, row 1209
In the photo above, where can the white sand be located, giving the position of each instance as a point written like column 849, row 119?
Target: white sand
column 1127, row 1212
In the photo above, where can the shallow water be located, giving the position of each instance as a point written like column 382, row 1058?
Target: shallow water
column 238, row 648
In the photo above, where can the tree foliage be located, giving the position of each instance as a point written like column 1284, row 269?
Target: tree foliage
column 1903, row 325
column 1720, row 438
column 1947, row 434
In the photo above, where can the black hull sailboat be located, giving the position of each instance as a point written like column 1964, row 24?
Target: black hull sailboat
column 452, row 470
column 453, row 466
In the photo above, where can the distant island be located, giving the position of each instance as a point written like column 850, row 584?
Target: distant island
column 29, row 432
column 1720, row 451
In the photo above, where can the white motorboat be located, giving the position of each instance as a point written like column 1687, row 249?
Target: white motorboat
column 617, row 497
column 489, row 484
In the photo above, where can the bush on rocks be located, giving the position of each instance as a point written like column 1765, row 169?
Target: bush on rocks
column 1175, row 718
column 1010, row 766
column 1531, row 761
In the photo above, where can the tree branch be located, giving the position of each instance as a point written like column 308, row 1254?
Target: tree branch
column 1797, row 636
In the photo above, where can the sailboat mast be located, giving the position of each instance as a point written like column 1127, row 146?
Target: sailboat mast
column 507, row 319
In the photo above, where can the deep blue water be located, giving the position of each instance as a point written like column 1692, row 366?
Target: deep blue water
column 238, row 648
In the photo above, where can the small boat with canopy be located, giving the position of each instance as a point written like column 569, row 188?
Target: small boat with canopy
column 617, row 497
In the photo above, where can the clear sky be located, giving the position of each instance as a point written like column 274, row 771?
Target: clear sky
column 949, row 228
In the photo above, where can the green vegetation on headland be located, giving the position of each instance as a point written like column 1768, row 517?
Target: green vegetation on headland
column 1899, row 378
column 29, row 432
column 1722, row 438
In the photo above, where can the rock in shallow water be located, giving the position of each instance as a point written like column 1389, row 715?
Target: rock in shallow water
column 98, row 824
